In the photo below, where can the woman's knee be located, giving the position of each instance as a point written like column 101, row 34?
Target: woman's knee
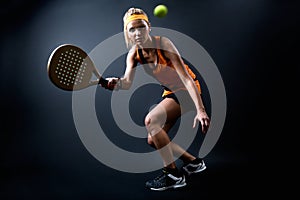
column 152, row 120
column 147, row 121
column 150, row 141
column 153, row 125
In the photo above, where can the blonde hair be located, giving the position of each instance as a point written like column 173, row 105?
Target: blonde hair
column 130, row 15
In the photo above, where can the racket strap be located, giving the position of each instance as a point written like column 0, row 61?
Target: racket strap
column 103, row 82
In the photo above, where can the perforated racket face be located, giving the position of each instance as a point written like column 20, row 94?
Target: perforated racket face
column 70, row 68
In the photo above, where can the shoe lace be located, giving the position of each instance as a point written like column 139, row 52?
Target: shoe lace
column 160, row 177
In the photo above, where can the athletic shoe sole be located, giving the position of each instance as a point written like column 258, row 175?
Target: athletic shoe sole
column 169, row 187
column 202, row 168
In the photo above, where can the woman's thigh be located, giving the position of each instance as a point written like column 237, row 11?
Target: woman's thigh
column 166, row 112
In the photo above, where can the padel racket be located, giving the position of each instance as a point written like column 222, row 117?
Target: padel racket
column 70, row 68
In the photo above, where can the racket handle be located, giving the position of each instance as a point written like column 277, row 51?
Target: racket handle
column 103, row 82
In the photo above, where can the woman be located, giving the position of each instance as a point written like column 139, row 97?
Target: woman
column 160, row 59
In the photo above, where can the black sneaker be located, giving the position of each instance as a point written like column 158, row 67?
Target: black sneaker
column 195, row 166
column 166, row 180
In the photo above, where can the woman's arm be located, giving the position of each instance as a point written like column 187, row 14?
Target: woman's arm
column 126, row 81
column 172, row 53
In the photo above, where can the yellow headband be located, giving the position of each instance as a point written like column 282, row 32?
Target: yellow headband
column 134, row 17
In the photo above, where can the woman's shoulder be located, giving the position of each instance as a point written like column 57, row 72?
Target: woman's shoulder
column 161, row 38
column 164, row 40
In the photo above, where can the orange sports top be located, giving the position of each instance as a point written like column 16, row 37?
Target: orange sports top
column 165, row 72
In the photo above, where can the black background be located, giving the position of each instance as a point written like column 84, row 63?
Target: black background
column 253, row 43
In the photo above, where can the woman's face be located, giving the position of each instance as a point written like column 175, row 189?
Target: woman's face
column 138, row 31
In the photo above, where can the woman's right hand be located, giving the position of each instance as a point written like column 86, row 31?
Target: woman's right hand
column 112, row 83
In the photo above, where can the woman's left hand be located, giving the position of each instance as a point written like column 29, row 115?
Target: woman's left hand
column 204, row 120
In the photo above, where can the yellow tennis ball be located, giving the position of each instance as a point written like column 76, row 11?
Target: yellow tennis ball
column 160, row 11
